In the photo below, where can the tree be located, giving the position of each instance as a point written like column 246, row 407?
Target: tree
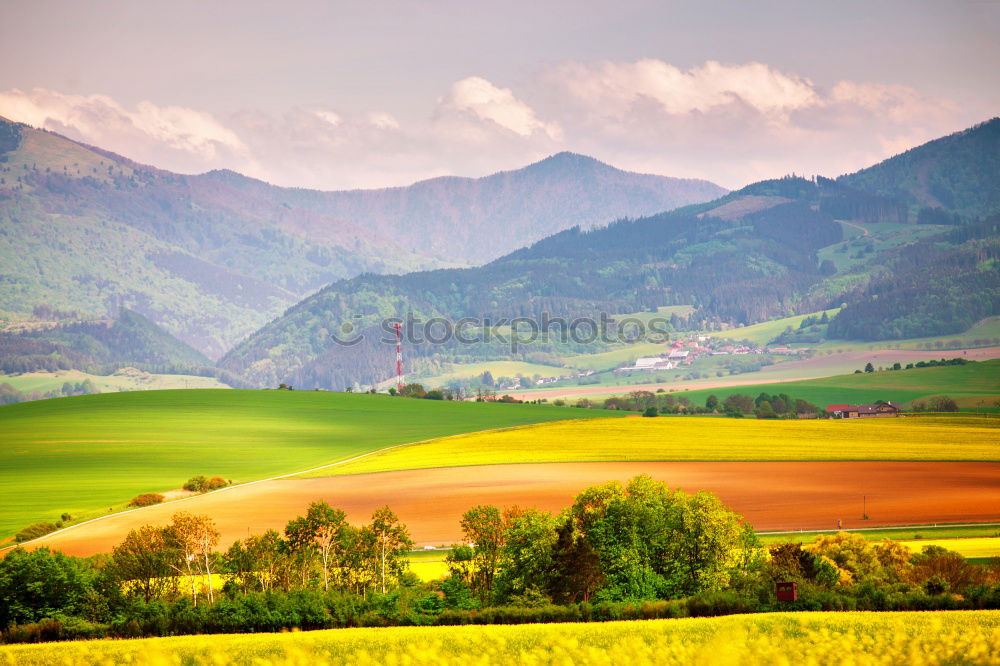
column 300, row 545
column 576, row 568
column 655, row 543
column 526, row 555
column 392, row 541
column 325, row 525
column 484, row 528
column 869, row 367
column 738, row 403
column 254, row 563
column 142, row 560
column 39, row 583
column 712, row 402
column 193, row 538
column 650, row 411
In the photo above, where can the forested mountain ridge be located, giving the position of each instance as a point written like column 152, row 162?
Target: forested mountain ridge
column 772, row 248
column 212, row 257
column 127, row 339
column 768, row 258
column 956, row 173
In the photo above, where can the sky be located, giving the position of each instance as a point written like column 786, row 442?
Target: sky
column 365, row 93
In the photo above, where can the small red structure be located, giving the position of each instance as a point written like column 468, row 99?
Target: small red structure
column 787, row 591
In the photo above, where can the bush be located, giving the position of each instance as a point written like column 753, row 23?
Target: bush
column 215, row 483
column 146, row 499
column 34, row 531
column 196, row 484
column 202, row 484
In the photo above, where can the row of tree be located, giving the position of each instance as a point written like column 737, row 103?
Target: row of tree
column 610, row 555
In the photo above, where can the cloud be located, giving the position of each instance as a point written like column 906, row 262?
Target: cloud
column 100, row 119
column 614, row 89
column 475, row 97
column 730, row 123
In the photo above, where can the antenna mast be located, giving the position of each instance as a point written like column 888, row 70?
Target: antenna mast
column 399, row 358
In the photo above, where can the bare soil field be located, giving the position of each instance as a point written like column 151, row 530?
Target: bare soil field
column 771, row 495
column 786, row 371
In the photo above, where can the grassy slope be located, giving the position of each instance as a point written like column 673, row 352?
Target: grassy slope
column 766, row 331
column 972, row 383
column 698, row 438
column 141, row 381
column 84, row 453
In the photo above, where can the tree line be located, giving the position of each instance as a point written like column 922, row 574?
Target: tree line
column 633, row 551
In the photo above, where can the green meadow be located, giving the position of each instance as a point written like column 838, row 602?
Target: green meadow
column 84, row 455
column 969, row 384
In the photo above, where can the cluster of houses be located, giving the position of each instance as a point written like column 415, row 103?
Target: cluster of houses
column 879, row 409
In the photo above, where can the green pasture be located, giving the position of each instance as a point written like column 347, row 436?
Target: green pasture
column 969, row 384
column 85, row 454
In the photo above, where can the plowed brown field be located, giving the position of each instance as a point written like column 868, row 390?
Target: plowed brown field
column 771, row 495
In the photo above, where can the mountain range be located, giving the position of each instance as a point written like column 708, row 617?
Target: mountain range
column 212, row 257
column 907, row 247
column 772, row 248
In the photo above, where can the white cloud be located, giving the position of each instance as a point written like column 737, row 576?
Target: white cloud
column 100, row 119
column 614, row 89
column 476, row 97
column 730, row 123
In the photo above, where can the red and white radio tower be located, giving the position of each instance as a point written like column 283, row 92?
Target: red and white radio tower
column 399, row 358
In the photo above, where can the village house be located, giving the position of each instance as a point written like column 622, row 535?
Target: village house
column 881, row 409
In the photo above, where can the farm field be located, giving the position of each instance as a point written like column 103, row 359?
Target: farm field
column 900, row 533
column 84, row 455
column 968, row 384
column 496, row 368
column 699, row 438
column 770, row 495
column 971, row 547
column 981, row 383
column 967, row 637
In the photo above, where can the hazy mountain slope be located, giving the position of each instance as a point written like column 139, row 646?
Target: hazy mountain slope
column 748, row 256
column 740, row 269
column 213, row 257
column 957, row 172
column 473, row 220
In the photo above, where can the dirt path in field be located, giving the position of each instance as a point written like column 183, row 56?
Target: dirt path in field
column 771, row 495
column 813, row 368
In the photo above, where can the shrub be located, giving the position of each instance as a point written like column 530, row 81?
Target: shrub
column 215, row 483
column 196, row 484
column 202, row 484
column 146, row 499
column 34, row 531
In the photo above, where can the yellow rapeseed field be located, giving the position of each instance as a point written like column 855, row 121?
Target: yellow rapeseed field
column 694, row 438
column 958, row 637
column 964, row 546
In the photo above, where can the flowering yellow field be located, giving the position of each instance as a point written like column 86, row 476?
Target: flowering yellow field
column 966, row 547
column 694, row 438
column 966, row 637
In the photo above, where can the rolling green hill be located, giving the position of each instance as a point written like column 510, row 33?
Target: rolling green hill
column 969, row 384
column 82, row 455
